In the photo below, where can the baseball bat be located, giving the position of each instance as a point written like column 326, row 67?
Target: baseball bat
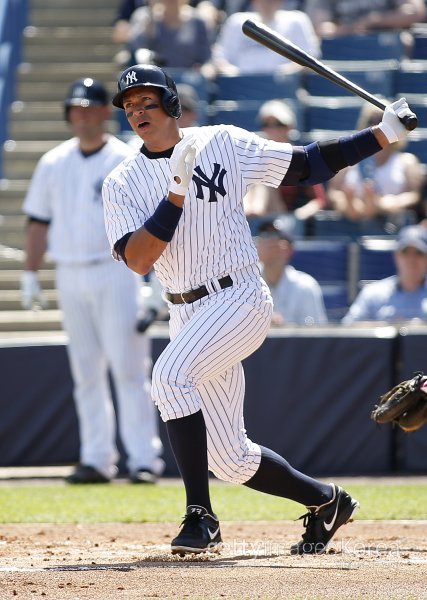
column 278, row 43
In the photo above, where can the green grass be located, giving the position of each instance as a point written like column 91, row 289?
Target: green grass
column 165, row 502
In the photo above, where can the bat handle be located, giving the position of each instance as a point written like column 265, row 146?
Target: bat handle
column 410, row 121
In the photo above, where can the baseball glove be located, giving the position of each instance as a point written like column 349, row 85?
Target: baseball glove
column 405, row 404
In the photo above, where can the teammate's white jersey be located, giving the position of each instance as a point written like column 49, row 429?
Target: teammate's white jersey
column 213, row 237
column 66, row 191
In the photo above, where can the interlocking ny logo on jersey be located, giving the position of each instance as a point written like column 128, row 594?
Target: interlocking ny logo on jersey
column 213, row 186
column 131, row 78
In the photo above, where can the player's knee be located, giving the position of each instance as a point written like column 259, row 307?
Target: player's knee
column 226, row 468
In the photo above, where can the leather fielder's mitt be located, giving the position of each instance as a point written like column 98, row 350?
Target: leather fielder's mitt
column 405, row 404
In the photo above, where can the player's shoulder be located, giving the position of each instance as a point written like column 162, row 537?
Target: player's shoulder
column 60, row 152
column 119, row 147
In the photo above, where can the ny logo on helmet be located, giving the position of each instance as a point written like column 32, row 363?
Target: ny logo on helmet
column 131, row 78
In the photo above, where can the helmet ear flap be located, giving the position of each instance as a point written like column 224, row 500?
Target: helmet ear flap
column 171, row 103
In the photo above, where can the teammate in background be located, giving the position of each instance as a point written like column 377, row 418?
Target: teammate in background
column 300, row 202
column 97, row 295
column 178, row 206
column 403, row 296
column 297, row 296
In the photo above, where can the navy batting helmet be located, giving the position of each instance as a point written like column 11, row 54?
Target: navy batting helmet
column 86, row 92
column 150, row 76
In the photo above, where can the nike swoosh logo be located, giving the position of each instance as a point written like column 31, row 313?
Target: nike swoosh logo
column 328, row 526
column 212, row 534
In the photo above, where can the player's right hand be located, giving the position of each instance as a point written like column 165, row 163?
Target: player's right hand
column 31, row 292
column 181, row 165
column 391, row 126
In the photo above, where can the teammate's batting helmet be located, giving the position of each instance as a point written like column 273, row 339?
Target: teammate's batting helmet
column 150, row 76
column 86, row 92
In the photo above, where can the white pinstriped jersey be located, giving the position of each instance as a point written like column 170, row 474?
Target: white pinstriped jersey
column 213, row 237
column 66, row 190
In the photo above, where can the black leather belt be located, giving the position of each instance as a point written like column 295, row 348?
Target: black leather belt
column 197, row 294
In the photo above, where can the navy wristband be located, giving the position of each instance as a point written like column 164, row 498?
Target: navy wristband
column 164, row 220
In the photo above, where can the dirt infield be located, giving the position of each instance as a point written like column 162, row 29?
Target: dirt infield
column 368, row 559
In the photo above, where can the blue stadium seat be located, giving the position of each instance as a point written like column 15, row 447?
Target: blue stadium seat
column 373, row 46
column 330, row 223
column 419, row 49
column 325, row 260
column 417, row 144
column 375, row 258
column 377, row 77
column 411, row 78
column 336, row 300
column 241, row 114
column 263, row 86
column 339, row 114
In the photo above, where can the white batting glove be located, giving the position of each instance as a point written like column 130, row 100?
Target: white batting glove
column 391, row 126
column 182, row 164
column 31, row 291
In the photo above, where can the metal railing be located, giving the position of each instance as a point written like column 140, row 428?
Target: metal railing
column 13, row 18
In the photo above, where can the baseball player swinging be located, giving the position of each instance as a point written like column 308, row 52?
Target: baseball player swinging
column 177, row 205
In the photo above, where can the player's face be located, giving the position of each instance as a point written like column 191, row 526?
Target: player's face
column 88, row 122
column 148, row 119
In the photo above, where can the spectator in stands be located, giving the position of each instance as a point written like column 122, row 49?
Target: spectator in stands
column 297, row 296
column 301, row 202
column 121, row 27
column 343, row 17
column 98, row 296
column 386, row 188
column 402, row 296
column 235, row 53
column 173, row 32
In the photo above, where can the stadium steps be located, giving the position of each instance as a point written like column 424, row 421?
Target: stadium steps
column 64, row 40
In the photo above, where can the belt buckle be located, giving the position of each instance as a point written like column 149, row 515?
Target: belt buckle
column 182, row 297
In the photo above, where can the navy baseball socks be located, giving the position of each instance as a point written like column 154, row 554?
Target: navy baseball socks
column 200, row 530
column 329, row 506
column 321, row 522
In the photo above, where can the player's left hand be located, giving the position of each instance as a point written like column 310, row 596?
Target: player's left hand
column 391, row 126
column 182, row 164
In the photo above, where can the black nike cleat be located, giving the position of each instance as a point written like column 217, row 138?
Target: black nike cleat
column 199, row 533
column 322, row 522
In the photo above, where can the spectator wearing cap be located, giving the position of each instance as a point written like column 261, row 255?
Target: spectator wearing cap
column 278, row 122
column 400, row 297
column 297, row 296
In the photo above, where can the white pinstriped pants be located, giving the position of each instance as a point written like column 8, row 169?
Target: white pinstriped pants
column 201, row 368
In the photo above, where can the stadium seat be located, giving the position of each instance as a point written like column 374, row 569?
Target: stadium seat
column 330, row 223
column 373, row 46
column 377, row 77
column 411, row 78
column 417, row 144
column 263, row 86
column 336, row 300
column 375, row 258
column 339, row 114
column 242, row 114
column 419, row 48
column 325, row 260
